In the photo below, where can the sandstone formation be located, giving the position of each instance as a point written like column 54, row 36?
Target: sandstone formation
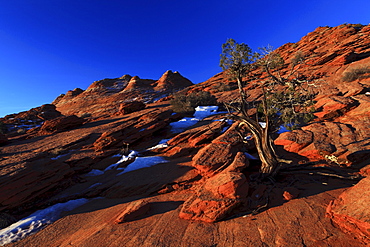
column 103, row 98
column 205, row 191
column 351, row 212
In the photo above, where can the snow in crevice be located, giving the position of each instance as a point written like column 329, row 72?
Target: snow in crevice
column 37, row 221
column 201, row 112
column 162, row 144
column 143, row 162
column 124, row 158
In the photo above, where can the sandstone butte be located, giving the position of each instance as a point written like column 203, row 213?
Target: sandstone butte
column 204, row 194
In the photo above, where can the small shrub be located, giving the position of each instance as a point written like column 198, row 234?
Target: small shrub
column 57, row 151
column 360, row 72
column 21, row 131
column 186, row 103
column 85, row 115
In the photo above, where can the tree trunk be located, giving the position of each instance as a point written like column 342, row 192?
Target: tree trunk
column 262, row 138
column 264, row 145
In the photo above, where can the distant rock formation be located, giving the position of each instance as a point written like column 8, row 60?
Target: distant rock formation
column 103, row 98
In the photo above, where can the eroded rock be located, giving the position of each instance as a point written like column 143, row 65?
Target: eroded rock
column 351, row 211
column 216, row 198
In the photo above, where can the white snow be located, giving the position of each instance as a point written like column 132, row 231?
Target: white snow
column 37, row 221
column 94, row 172
column 249, row 156
column 142, row 162
column 162, row 144
column 282, row 129
column 201, row 112
column 183, row 124
column 59, row 156
column 263, row 124
column 124, row 158
column 205, row 111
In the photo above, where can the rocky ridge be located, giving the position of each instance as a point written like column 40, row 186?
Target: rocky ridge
column 204, row 195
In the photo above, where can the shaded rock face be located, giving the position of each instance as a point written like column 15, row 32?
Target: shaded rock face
column 60, row 124
column 351, row 211
column 130, row 107
column 32, row 182
column 3, row 139
column 134, row 130
column 30, row 119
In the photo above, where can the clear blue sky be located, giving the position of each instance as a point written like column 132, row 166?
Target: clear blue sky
column 48, row 47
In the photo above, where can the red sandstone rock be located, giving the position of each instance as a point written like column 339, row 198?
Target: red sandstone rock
column 172, row 80
column 216, row 198
column 218, row 154
column 290, row 193
column 130, row 107
column 351, row 211
column 133, row 210
column 333, row 107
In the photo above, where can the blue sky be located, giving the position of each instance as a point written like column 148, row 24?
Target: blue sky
column 48, row 47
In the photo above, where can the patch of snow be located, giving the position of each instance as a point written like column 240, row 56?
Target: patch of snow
column 367, row 93
column 94, row 172
column 282, row 129
column 183, row 124
column 263, row 124
column 201, row 112
column 37, row 221
column 59, row 156
column 161, row 144
column 205, row 111
column 142, row 162
column 248, row 138
column 124, row 158
column 249, row 156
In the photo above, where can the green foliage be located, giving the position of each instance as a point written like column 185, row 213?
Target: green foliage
column 287, row 99
column 359, row 72
column 237, row 59
column 187, row 103
column 288, row 106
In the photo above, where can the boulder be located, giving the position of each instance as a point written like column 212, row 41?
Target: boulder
column 129, row 107
column 60, row 124
column 216, row 198
column 351, row 211
column 220, row 153
column 132, row 211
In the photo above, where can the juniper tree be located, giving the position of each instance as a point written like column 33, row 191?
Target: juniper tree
column 282, row 101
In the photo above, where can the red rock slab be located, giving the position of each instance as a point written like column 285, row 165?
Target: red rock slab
column 351, row 211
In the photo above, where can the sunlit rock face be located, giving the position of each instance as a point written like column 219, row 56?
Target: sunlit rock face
column 103, row 98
